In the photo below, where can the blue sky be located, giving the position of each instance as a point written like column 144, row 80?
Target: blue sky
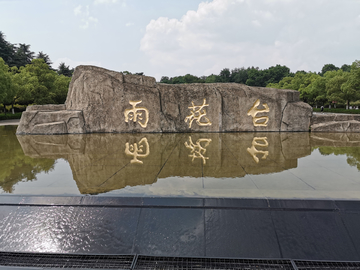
column 170, row 38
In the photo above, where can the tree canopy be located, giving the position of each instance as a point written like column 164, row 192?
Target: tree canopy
column 332, row 85
column 26, row 78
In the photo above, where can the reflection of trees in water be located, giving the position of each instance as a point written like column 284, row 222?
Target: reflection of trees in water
column 15, row 166
column 352, row 153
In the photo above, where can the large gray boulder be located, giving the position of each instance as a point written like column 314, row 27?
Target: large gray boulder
column 109, row 101
column 50, row 119
column 331, row 122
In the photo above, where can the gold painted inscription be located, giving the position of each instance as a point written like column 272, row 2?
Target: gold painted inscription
column 262, row 120
column 198, row 150
column 253, row 151
column 196, row 113
column 139, row 114
column 137, row 150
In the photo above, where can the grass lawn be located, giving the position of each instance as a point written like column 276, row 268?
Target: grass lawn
column 332, row 110
column 10, row 116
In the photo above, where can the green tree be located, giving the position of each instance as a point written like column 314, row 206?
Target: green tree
column 337, row 87
column 276, row 74
column 65, row 70
column 225, row 75
column 5, row 83
column 43, row 91
column 351, row 88
column 328, row 67
column 165, row 79
column 346, row 68
column 319, row 90
column 213, row 79
column 6, row 50
column 23, row 56
column 23, row 84
column 61, row 87
column 45, row 57
column 257, row 77
column 188, row 78
column 239, row 75
column 301, row 82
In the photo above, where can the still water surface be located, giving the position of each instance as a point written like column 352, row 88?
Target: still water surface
column 238, row 165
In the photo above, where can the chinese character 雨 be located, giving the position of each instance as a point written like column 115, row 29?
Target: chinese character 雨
column 198, row 151
column 137, row 150
column 253, row 151
column 197, row 112
column 136, row 114
column 262, row 120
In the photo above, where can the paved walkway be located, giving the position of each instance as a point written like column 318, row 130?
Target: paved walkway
column 209, row 227
column 9, row 122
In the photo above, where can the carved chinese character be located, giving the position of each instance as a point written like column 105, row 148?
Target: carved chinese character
column 197, row 112
column 253, row 151
column 137, row 114
column 137, row 150
column 259, row 121
column 197, row 150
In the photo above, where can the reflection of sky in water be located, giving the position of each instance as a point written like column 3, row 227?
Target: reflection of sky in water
column 288, row 165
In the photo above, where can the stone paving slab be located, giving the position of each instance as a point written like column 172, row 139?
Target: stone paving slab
column 296, row 229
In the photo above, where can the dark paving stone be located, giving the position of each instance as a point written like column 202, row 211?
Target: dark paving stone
column 51, row 200
column 303, row 204
column 352, row 222
column 11, row 199
column 170, row 232
column 348, row 205
column 313, row 236
column 177, row 202
column 240, row 233
column 112, row 201
column 19, row 268
column 69, row 230
column 6, row 212
column 236, row 203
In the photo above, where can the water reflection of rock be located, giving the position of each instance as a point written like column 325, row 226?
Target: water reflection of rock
column 339, row 144
column 100, row 162
column 335, row 139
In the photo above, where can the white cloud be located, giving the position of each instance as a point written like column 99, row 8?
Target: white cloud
column 232, row 33
column 99, row 2
column 129, row 24
column 86, row 18
column 77, row 10
column 105, row 1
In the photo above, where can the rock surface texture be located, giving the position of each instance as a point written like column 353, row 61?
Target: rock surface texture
column 101, row 100
column 330, row 122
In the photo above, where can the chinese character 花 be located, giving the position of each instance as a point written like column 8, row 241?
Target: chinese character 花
column 197, row 112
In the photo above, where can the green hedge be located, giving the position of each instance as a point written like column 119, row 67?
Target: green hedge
column 10, row 116
column 337, row 110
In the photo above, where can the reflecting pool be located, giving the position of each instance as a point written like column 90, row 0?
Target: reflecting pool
column 238, row 165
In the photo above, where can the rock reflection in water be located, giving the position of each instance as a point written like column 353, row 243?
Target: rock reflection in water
column 105, row 162
column 339, row 144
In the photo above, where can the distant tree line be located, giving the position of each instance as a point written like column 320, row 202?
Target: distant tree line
column 250, row 76
column 332, row 85
column 26, row 78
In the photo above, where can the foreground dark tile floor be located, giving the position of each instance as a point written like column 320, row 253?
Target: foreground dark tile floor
column 306, row 230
